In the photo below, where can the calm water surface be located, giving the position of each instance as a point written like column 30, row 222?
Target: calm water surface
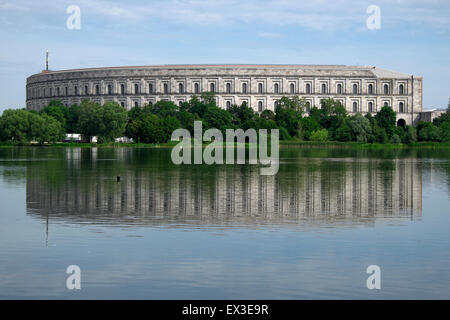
column 224, row 232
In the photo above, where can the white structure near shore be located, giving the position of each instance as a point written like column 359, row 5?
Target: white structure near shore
column 359, row 89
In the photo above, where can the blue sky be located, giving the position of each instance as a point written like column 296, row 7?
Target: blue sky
column 414, row 37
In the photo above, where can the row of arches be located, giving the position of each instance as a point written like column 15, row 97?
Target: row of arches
column 371, row 107
column 261, row 106
column 355, row 106
column 228, row 89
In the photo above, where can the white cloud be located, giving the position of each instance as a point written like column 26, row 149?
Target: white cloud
column 272, row 35
column 313, row 14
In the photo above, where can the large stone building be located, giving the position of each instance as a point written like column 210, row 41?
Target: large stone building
column 359, row 89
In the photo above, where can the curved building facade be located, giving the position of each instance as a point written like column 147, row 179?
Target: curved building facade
column 359, row 89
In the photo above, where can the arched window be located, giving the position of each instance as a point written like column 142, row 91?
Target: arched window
column 370, row 107
column 308, row 106
column 66, row 89
column 136, row 88
column 109, row 89
column 401, row 89
column 244, row 87
column 180, row 88
column 339, row 88
column 97, row 89
column 324, row 88
column 166, row 88
column 122, row 89
column 228, row 88
column 386, row 89
column 355, row 88
column 122, row 104
column 150, row 88
column 308, row 88
column 370, row 89
column 260, row 106
column 401, row 107
column 386, row 104
column 355, row 106
column 228, row 105
column 292, row 88
column 86, row 90
column 275, row 105
column 136, row 104
column 212, row 87
column 75, row 90
column 260, row 88
column 275, row 88
column 51, row 92
column 196, row 88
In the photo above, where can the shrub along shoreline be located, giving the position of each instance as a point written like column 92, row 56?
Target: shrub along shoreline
column 152, row 125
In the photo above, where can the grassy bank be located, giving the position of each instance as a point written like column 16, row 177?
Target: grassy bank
column 90, row 145
column 362, row 145
column 283, row 143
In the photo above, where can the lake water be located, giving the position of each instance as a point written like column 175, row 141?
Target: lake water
column 224, row 232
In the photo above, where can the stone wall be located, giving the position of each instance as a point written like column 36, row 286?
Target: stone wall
column 374, row 87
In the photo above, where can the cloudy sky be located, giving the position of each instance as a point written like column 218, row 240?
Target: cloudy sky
column 414, row 37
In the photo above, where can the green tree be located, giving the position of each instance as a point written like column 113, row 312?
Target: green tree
column 217, row 118
column 284, row 134
column 164, row 108
column 308, row 126
column 445, row 117
column 333, row 107
column 72, row 118
column 14, row 126
column 267, row 115
column 197, row 107
column 333, row 117
column 187, row 121
column 107, row 122
column 343, row 131
column 242, row 114
column 444, row 132
column 134, row 130
column 361, row 128
column 319, row 135
column 379, row 134
column 57, row 110
column 410, row 135
column 263, row 123
column 45, row 128
column 88, row 119
column 426, row 131
column 112, row 121
column 208, row 99
column 152, row 130
column 386, row 119
column 288, row 114
column 316, row 114
column 170, row 124
column 134, row 123
column 395, row 139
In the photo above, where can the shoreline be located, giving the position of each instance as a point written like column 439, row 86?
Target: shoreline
column 283, row 144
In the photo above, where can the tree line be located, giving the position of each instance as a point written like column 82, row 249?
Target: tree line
column 155, row 123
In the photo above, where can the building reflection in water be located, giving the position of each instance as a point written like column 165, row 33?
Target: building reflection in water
column 153, row 191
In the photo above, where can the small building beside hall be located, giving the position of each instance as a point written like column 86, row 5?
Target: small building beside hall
column 359, row 89
column 430, row 115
